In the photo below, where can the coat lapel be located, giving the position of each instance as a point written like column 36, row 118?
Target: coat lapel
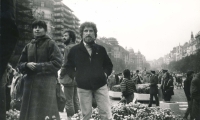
column 83, row 49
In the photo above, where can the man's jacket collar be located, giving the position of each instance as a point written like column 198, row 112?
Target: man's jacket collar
column 94, row 47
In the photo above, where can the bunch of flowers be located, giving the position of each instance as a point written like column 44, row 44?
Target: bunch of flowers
column 142, row 88
column 95, row 115
column 139, row 111
column 133, row 111
column 12, row 114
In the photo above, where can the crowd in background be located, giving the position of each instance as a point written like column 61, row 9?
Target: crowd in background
column 188, row 82
column 168, row 81
column 34, row 95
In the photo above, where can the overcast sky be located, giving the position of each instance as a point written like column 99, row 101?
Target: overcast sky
column 153, row 27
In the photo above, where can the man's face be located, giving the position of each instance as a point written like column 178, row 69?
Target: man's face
column 88, row 35
column 66, row 37
column 38, row 31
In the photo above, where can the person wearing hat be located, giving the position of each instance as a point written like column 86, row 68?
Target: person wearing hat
column 186, row 88
column 167, row 86
column 153, row 89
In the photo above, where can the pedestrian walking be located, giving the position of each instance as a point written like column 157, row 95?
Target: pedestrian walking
column 111, row 81
column 90, row 64
column 167, row 86
column 195, row 96
column 153, row 89
column 70, row 88
column 16, row 90
column 127, row 87
column 187, row 84
column 10, row 74
column 40, row 60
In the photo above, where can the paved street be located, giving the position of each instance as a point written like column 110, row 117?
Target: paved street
column 179, row 97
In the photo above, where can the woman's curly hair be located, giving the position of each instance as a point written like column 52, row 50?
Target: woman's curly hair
column 88, row 24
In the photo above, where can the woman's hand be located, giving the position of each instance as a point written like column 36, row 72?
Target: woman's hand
column 31, row 65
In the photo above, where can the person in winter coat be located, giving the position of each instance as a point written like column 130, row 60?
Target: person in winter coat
column 167, row 86
column 111, row 81
column 195, row 96
column 90, row 64
column 127, row 87
column 16, row 90
column 153, row 89
column 187, row 84
column 70, row 87
column 40, row 60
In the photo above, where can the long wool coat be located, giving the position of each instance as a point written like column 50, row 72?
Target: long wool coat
column 39, row 95
column 153, row 84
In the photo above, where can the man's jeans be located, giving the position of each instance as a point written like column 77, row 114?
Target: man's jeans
column 72, row 104
column 102, row 99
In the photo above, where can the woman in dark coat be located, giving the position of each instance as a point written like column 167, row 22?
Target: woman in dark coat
column 153, row 89
column 40, row 60
column 167, row 86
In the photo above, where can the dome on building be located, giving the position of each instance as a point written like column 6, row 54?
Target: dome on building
column 130, row 49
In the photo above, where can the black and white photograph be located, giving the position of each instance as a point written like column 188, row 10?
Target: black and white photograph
column 100, row 60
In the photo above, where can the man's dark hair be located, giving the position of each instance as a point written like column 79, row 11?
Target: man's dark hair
column 127, row 73
column 39, row 23
column 189, row 73
column 88, row 24
column 71, row 35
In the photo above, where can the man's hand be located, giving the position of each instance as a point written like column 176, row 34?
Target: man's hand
column 31, row 66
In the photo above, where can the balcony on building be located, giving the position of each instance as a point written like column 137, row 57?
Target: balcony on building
column 59, row 26
column 61, row 5
column 62, row 16
column 62, row 9
column 61, row 21
column 58, row 33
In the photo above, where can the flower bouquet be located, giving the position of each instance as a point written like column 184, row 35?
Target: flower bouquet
column 12, row 114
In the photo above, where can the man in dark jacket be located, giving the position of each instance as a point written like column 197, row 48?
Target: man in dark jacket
column 195, row 96
column 70, row 88
column 187, row 84
column 153, row 89
column 167, row 87
column 90, row 64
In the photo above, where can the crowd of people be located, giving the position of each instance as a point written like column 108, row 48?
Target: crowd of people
column 85, row 71
column 168, row 81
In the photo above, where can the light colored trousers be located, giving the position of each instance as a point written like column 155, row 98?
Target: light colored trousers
column 102, row 99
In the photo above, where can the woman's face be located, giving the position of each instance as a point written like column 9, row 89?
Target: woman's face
column 38, row 31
